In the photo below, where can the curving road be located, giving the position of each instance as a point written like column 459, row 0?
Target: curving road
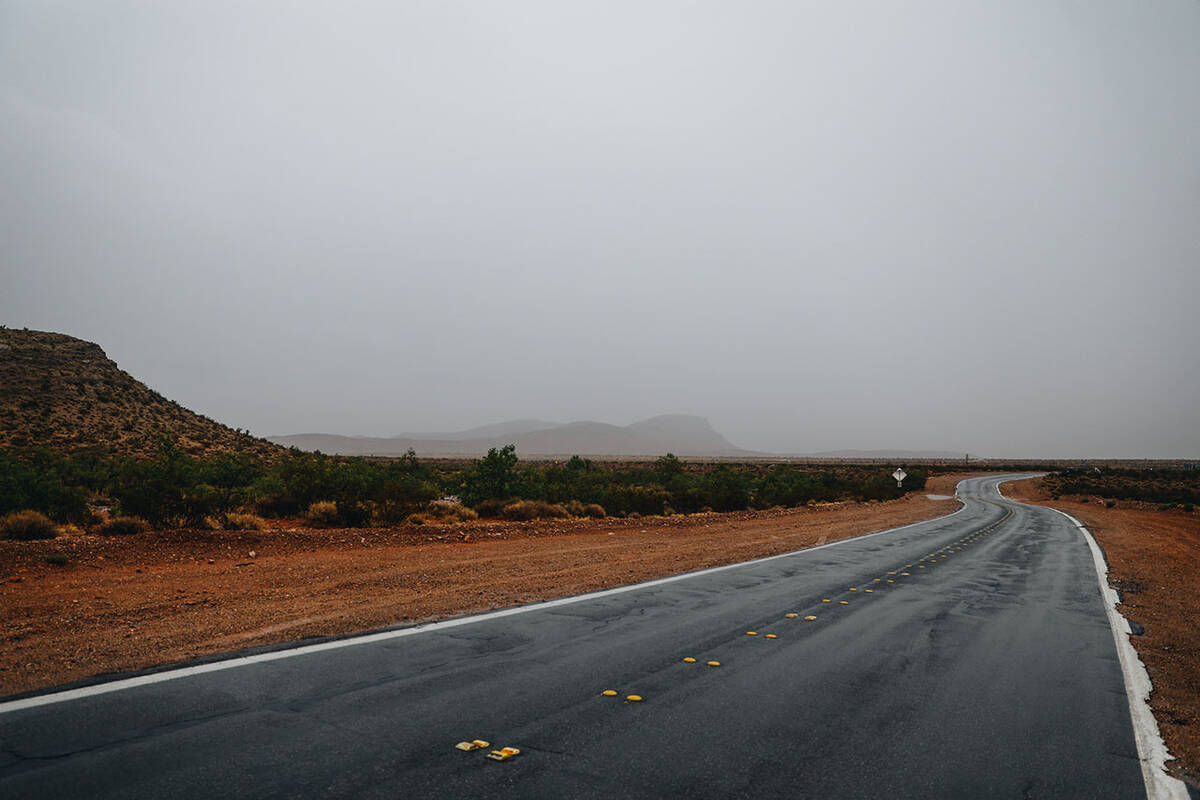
column 968, row 656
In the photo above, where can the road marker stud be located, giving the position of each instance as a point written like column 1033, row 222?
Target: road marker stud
column 876, row 580
column 810, row 618
column 689, row 660
column 752, row 633
column 609, row 693
column 791, row 616
column 826, row 600
column 906, row 573
column 853, row 589
column 772, row 636
column 472, row 745
column 713, row 663
column 503, row 754
column 869, row 591
column 845, row 603
column 920, row 566
column 890, row 580
column 633, row 698
column 908, row 565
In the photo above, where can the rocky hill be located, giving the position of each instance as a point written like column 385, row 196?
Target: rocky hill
column 64, row 393
column 681, row 434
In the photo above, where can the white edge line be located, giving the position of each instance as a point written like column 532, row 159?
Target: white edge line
column 369, row 638
column 1152, row 750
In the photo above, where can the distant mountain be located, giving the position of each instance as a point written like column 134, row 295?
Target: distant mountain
column 938, row 454
column 63, row 393
column 487, row 431
column 680, row 434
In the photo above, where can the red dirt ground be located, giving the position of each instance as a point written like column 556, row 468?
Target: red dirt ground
column 125, row 603
column 1154, row 562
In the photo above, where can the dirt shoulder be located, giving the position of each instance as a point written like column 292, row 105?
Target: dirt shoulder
column 122, row 604
column 1154, row 562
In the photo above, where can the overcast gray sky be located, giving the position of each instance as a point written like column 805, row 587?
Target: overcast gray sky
column 957, row 225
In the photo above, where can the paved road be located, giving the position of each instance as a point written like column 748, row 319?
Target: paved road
column 964, row 657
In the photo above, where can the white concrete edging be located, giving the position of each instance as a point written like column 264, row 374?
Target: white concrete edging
column 1152, row 750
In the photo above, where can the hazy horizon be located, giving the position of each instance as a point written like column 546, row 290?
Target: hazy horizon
column 933, row 226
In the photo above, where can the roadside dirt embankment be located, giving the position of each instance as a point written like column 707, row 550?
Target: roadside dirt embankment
column 1154, row 562
column 123, row 604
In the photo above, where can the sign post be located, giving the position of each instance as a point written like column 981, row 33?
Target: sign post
column 899, row 475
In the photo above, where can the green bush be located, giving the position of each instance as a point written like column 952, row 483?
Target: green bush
column 26, row 526
column 123, row 526
column 57, row 559
column 594, row 510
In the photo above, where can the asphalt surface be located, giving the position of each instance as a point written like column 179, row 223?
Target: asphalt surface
column 969, row 656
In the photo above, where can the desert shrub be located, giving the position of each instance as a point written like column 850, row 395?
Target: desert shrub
column 594, row 510
column 447, row 511
column 354, row 515
column 279, row 504
column 123, row 526
column 417, row 519
column 524, row 510
column 1188, row 507
column 492, row 507
column 243, row 522
column 27, row 525
column 57, row 559
column 1110, row 503
column 575, row 508
column 322, row 513
column 1165, row 506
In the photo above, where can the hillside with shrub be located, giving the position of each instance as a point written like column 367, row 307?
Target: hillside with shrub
column 64, row 394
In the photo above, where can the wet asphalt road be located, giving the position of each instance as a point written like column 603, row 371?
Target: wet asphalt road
column 968, row 656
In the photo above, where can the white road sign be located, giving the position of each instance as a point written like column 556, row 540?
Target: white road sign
column 899, row 475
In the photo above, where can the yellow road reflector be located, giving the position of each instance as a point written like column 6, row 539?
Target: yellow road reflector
column 772, row 636
column 890, row 580
column 752, row 633
column 906, row 573
column 633, row 698
column 810, row 618
column 503, row 754
column 472, row 745
column 609, row 693
column 853, row 589
column 826, row 600
column 920, row 566
column 870, row 590
column 845, row 603
column 891, row 573
column 791, row 616
column 876, row 580
column 713, row 663
column 690, row 660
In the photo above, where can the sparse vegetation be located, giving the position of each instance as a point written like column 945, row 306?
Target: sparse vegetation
column 323, row 513
column 244, row 522
column 26, row 526
column 174, row 488
column 123, row 526
column 57, row 559
column 1169, row 488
